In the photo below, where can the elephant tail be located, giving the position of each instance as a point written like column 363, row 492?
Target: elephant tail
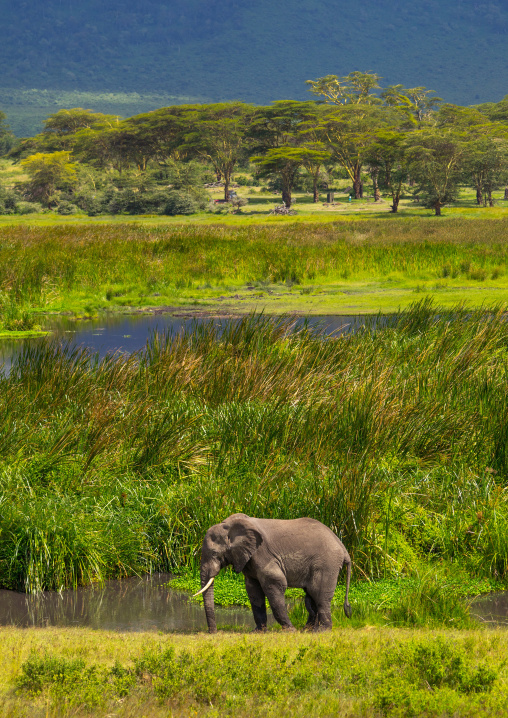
column 347, row 608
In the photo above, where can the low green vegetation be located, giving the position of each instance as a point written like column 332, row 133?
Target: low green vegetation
column 430, row 596
column 321, row 268
column 379, row 672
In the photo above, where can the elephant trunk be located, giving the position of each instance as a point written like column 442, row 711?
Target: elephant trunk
column 209, row 603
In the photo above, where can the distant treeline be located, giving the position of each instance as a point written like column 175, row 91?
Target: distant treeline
column 398, row 139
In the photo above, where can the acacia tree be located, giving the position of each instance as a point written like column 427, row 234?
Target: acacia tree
column 435, row 157
column 104, row 148
column 355, row 88
column 388, row 153
column 422, row 103
column 485, row 155
column 347, row 128
column 486, row 165
column 284, row 162
column 278, row 135
column 349, row 132
column 48, row 174
column 159, row 135
column 217, row 136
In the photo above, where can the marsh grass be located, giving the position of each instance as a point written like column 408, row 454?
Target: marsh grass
column 88, row 267
column 395, row 437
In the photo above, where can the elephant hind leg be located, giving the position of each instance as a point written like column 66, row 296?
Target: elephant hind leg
column 324, row 617
column 257, row 600
column 322, row 601
column 311, row 607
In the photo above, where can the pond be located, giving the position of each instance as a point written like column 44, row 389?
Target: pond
column 132, row 604
column 110, row 333
column 491, row 609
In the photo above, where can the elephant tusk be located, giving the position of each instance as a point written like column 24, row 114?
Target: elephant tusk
column 204, row 587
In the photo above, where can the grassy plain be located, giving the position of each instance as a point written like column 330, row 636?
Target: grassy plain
column 234, row 264
column 368, row 672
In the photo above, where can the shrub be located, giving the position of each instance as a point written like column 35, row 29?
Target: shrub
column 66, row 207
column 28, row 207
column 8, row 200
column 179, row 202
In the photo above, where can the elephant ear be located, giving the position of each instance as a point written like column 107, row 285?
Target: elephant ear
column 244, row 540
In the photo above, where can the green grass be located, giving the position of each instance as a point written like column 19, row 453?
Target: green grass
column 431, row 596
column 374, row 671
column 340, row 267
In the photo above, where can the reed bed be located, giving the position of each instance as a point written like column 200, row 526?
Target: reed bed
column 61, row 267
column 395, row 436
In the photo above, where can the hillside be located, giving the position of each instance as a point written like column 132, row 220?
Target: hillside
column 257, row 52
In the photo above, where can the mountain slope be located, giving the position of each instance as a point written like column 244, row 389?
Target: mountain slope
column 257, row 51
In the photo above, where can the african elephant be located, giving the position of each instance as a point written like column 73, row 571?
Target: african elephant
column 274, row 555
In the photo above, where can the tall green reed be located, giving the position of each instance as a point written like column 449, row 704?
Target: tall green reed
column 259, row 416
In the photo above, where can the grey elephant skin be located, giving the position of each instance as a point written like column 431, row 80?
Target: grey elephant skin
column 275, row 554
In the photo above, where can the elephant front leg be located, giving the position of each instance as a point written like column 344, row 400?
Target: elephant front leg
column 257, row 600
column 275, row 595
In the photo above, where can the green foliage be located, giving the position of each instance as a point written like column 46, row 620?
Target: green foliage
column 376, row 672
column 8, row 201
column 66, row 208
column 28, row 207
column 48, row 173
column 73, row 684
column 179, row 202
column 118, row 466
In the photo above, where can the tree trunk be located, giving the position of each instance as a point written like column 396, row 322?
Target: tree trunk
column 479, row 198
column 375, row 187
column 286, row 196
column 209, row 604
column 315, row 190
column 437, row 208
column 361, row 189
column 226, row 188
column 395, row 205
column 491, row 201
column 356, row 187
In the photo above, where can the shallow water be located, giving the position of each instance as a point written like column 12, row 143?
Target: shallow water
column 132, row 604
column 491, row 609
column 129, row 333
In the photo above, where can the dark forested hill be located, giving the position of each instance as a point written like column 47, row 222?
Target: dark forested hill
column 255, row 51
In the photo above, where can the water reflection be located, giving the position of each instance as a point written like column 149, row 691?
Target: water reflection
column 492, row 608
column 133, row 604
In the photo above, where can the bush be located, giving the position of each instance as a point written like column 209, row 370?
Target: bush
column 179, row 202
column 130, row 201
column 28, row 207
column 243, row 181
column 66, row 207
column 8, row 201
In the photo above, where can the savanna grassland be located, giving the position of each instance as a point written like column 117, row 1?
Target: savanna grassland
column 345, row 266
column 368, row 672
